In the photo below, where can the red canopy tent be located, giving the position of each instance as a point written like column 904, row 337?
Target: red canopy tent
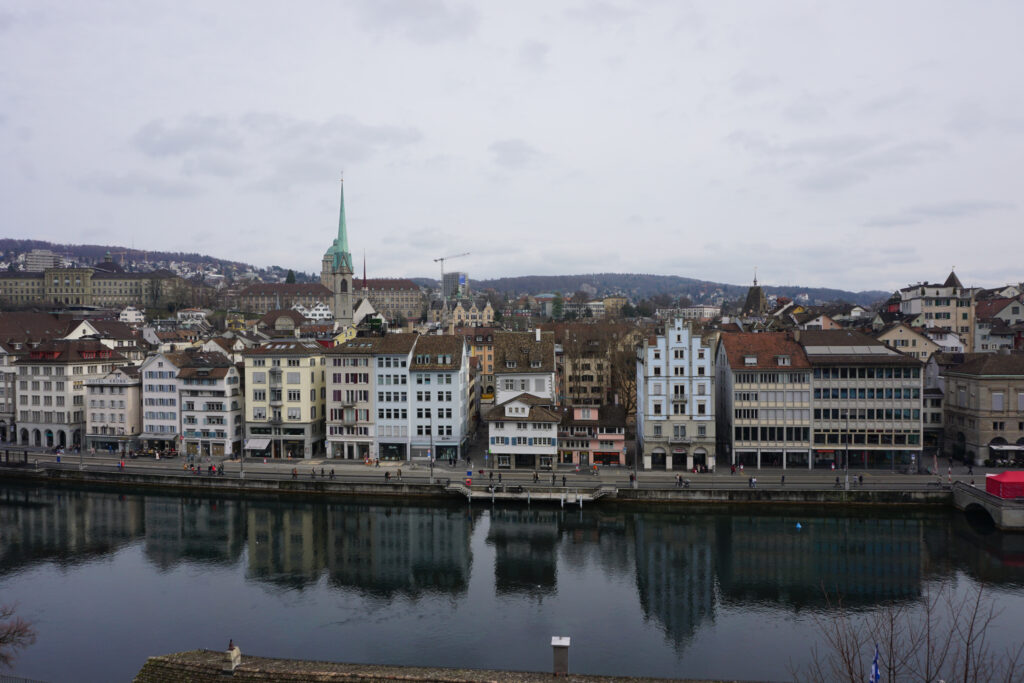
column 1006, row 484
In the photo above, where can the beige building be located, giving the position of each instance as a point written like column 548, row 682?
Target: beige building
column 263, row 298
column 468, row 313
column 906, row 339
column 947, row 305
column 764, row 400
column 285, row 399
column 393, row 298
column 984, row 409
column 114, row 415
column 51, row 393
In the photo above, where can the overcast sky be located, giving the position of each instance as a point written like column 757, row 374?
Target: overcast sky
column 860, row 145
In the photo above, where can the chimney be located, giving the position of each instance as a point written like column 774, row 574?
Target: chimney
column 537, row 330
column 560, row 647
column 232, row 659
column 796, row 335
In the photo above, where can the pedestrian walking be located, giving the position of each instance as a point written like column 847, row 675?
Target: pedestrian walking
column 499, row 477
column 387, row 476
column 782, row 482
column 563, row 480
column 399, row 474
column 332, row 473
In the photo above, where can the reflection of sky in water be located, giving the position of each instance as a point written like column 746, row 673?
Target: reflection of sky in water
column 114, row 578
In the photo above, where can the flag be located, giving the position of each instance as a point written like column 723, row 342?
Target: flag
column 876, row 675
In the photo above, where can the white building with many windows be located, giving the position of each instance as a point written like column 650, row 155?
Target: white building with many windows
column 113, row 413
column 439, row 391
column 675, row 399
column 51, row 390
column 161, row 419
column 211, row 406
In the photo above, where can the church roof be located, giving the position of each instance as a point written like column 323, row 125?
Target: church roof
column 952, row 281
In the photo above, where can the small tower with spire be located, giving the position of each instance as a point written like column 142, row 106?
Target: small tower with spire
column 336, row 273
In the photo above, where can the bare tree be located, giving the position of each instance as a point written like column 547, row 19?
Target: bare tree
column 944, row 637
column 15, row 634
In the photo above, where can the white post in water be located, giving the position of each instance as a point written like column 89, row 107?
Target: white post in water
column 560, row 648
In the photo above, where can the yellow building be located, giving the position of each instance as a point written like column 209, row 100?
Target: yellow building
column 285, row 386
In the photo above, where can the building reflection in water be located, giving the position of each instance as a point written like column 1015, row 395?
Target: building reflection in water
column 64, row 527
column 675, row 571
column 377, row 549
column 525, row 542
column 685, row 563
column 193, row 529
column 862, row 560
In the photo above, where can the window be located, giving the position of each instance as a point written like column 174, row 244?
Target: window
column 259, row 378
column 997, row 401
column 295, row 413
column 292, row 378
column 657, row 430
column 259, row 413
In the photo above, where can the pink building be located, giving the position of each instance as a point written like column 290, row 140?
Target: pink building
column 590, row 435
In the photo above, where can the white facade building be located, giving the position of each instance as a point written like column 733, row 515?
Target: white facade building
column 675, row 399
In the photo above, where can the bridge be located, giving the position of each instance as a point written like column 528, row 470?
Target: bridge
column 1006, row 513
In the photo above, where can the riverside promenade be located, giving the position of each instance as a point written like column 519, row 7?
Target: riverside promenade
column 419, row 479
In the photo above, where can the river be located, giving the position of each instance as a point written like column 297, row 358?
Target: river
column 109, row 578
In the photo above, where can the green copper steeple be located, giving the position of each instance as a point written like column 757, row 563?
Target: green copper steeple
column 339, row 249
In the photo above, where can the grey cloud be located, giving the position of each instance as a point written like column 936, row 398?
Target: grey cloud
column 972, row 118
column 806, row 110
column 958, row 209
column 533, row 55
column 138, row 184
column 833, row 179
column 889, row 101
column 514, row 154
column 747, row 83
column 158, row 139
column 937, row 211
column 598, row 12
column 216, row 165
column 424, row 21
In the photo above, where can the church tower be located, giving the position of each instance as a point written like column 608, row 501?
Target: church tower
column 336, row 274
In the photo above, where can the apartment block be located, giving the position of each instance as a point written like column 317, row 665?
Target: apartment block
column 51, row 390
column 114, row 416
column 675, row 404
column 285, row 387
column 984, row 409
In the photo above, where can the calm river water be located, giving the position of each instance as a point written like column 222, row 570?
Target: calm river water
column 108, row 579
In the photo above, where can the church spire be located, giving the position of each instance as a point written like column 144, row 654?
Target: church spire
column 339, row 250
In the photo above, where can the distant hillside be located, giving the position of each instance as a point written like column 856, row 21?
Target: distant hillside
column 91, row 253
column 643, row 286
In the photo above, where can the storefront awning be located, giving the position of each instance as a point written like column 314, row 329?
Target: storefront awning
column 256, row 444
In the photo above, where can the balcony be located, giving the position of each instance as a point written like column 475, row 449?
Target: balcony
column 680, row 439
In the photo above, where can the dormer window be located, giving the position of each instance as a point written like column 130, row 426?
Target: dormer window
column 782, row 360
column 750, row 360
column 510, row 364
column 535, row 364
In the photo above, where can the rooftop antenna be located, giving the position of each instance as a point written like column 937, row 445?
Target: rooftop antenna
column 755, row 276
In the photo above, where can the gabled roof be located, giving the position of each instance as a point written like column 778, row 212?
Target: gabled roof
column 990, row 307
column 28, row 326
column 848, row 347
column 539, row 410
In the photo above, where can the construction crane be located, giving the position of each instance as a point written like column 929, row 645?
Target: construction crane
column 442, row 259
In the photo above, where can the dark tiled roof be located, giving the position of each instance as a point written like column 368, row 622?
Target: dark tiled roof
column 523, row 349
column 286, row 290
column 20, row 326
column 385, row 284
column 272, row 317
column 988, row 364
column 70, row 351
column 298, row 347
column 849, row 347
column 539, row 410
column 391, row 344
column 429, row 347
